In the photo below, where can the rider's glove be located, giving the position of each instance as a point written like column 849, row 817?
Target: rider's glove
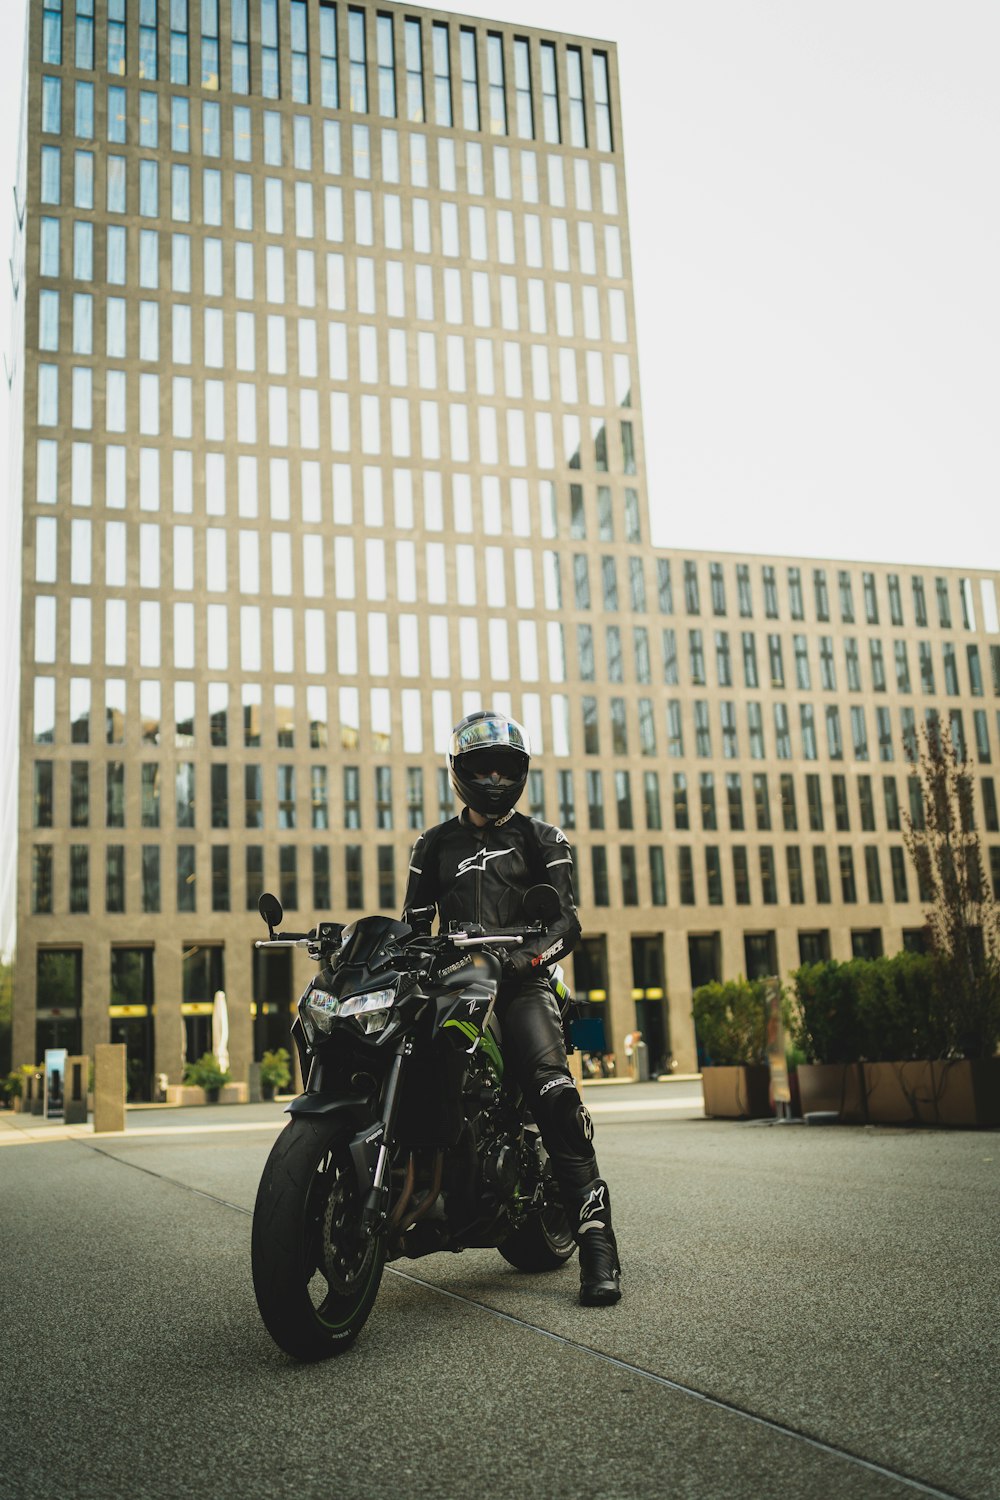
column 516, row 966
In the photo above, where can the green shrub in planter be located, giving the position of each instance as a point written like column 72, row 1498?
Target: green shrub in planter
column 731, row 1021
column 275, row 1072
column 826, row 1026
column 206, row 1073
column 900, row 1011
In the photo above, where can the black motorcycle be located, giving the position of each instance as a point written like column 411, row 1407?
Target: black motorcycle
column 410, row 1137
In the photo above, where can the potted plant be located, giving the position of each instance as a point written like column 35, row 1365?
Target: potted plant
column 12, row 1088
column 275, row 1072
column 826, row 1035
column 731, row 1023
column 887, row 1041
column 206, row 1074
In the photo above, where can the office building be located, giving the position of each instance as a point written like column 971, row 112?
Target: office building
column 329, row 431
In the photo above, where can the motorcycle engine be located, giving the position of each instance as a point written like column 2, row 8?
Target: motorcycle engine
column 500, row 1167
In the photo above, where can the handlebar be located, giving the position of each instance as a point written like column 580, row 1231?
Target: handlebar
column 458, row 941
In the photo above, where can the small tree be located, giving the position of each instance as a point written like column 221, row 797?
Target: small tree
column 963, row 916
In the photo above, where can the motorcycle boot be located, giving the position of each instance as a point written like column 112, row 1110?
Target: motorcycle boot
column 600, row 1271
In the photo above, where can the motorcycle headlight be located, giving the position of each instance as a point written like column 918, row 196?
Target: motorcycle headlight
column 318, row 1008
column 371, row 1009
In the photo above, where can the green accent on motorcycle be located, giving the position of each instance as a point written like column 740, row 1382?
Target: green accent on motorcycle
column 489, row 1046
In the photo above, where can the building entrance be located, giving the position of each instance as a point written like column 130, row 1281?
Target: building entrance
column 650, row 997
column 272, row 997
column 131, row 1016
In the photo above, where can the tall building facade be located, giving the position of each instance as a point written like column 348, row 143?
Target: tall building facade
column 329, row 432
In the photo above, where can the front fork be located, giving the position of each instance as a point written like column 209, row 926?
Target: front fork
column 371, row 1150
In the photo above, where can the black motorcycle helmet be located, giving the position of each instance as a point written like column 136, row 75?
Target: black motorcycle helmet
column 488, row 757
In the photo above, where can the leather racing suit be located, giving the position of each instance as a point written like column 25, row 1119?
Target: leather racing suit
column 480, row 875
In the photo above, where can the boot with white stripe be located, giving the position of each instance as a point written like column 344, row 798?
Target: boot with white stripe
column 600, row 1272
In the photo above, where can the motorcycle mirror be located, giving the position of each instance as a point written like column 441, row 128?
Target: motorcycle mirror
column 270, row 909
column 541, row 903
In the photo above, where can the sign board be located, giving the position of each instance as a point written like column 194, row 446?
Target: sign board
column 780, row 1090
column 55, row 1080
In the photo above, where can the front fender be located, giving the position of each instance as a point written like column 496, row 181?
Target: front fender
column 367, row 1133
column 354, row 1111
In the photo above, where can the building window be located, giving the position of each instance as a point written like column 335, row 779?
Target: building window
column 602, row 102
column 322, row 896
column 329, row 83
column 442, row 72
column 358, row 61
column 288, row 876
column 210, row 52
column 114, row 883
column 685, row 875
column 254, row 875
column 179, row 41
column 741, row 875
column 185, row 878
column 848, row 886
column 599, row 875
column 814, row 802
column 522, row 89
column 664, row 590
column 52, row 32
column 630, row 882
column 657, row 876
column 495, row 78
column 270, row 66
column 796, row 886
column 353, row 879
column 943, row 603
column 744, row 596
column 220, row 877
column 897, row 864
column 386, row 877
column 713, row 874
column 41, row 878
column 300, row 51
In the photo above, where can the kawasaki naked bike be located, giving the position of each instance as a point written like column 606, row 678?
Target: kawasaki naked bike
column 410, row 1137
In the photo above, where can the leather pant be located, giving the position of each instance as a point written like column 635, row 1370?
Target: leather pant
column 534, row 1048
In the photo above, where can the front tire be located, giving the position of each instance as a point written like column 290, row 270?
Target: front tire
column 315, row 1275
column 544, row 1243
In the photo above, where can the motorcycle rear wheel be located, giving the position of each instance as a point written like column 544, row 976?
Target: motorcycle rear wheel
column 544, row 1243
column 315, row 1275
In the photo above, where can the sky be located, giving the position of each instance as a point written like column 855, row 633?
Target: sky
column 815, row 233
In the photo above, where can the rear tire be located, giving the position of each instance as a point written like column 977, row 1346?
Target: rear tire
column 544, row 1243
column 315, row 1275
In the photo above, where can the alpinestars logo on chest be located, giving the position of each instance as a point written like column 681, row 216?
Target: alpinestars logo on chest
column 476, row 863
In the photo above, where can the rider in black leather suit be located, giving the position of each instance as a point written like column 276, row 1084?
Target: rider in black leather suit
column 476, row 868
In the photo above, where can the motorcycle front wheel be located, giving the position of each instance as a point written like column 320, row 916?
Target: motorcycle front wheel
column 315, row 1274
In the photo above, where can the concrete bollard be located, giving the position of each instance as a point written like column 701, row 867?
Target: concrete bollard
column 254, row 1095
column 109, row 1087
column 75, row 1091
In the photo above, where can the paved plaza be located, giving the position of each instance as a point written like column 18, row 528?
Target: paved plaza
column 807, row 1311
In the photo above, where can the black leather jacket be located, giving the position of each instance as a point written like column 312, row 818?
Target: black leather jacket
column 481, row 874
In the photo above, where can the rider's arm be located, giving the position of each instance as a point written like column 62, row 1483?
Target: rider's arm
column 563, row 933
column 420, row 884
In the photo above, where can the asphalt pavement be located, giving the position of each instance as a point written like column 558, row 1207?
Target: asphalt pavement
column 808, row 1311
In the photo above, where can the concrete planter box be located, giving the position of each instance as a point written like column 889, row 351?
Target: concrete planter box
column 833, row 1088
column 184, row 1093
column 959, row 1092
column 737, row 1093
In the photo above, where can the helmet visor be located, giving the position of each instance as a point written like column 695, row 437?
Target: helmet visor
column 488, row 734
